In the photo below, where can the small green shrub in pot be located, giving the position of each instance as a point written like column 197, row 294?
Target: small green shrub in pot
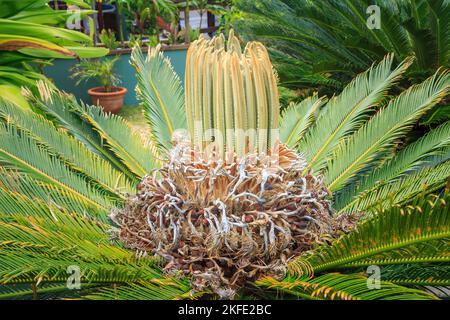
column 108, row 95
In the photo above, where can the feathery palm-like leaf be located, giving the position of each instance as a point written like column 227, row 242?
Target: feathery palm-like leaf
column 335, row 286
column 39, row 242
column 13, row 181
column 120, row 138
column 74, row 153
column 125, row 148
column 426, row 180
column 298, row 118
column 417, row 275
column 361, row 150
column 158, row 289
column 344, row 114
column 159, row 89
column 43, row 292
column 65, row 112
column 412, row 158
column 416, row 233
column 19, row 151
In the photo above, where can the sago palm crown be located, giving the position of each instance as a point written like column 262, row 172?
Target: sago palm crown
column 230, row 203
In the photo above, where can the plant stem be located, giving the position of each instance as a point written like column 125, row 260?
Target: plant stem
column 101, row 22
column 119, row 17
column 186, row 23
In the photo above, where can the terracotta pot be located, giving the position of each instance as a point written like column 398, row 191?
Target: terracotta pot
column 109, row 101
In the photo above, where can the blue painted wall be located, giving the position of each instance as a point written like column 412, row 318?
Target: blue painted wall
column 60, row 73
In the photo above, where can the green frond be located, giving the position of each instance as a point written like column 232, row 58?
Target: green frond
column 65, row 112
column 372, row 141
column 10, row 292
column 12, row 202
column 21, row 214
column 99, row 171
column 417, row 275
column 335, row 286
column 410, row 159
column 159, row 89
column 298, row 118
column 426, row 180
column 39, row 244
column 34, row 267
column 20, row 183
column 46, row 291
column 19, row 152
column 346, row 113
column 121, row 139
column 157, row 289
column 417, row 233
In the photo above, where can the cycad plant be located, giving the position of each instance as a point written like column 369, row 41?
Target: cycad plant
column 301, row 213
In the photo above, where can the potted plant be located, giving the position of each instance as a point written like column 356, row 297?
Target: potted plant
column 109, row 96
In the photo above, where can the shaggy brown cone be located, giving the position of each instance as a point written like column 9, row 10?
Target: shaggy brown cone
column 223, row 224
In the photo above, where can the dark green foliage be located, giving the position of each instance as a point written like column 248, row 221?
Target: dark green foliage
column 324, row 43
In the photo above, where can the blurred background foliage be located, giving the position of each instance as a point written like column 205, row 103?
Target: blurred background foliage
column 32, row 34
column 320, row 45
